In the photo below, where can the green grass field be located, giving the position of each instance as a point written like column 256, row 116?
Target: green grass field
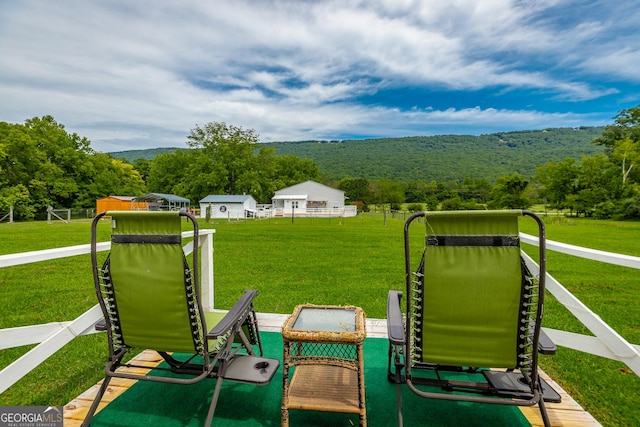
column 322, row 261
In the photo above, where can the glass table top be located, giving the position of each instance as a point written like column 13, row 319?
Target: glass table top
column 326, row 319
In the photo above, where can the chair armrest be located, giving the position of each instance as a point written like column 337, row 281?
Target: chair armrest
column 239, row 311
column 545, row 345
column 395, row 326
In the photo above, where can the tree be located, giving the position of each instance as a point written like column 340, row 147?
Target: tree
column 291, row 170
column 475, row 190
column 182, row 172
column 355, row 189
column 226, row 159
column 622, row 142
column 42, row 165
column 559, row 180
column 109, row 176
column 631, row 208
column 627, row 125
column 142, row 166
column 626, row 153
column 421, row 192
column 230, row 148
column 509, row 193
column 385, row 191
column 18, row 197
column 598, row 174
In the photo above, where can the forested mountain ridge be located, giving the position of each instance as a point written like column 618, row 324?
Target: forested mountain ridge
column 438, row 158
column 446, row 157
column 149, row 154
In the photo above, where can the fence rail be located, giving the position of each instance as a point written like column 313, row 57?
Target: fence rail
column 8, row 216
column 347, row 211
column 606, row 342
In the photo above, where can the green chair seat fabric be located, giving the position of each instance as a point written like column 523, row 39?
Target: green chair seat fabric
column 470, row 316
column 152, row 310
column 471, row 294
column 212, row 318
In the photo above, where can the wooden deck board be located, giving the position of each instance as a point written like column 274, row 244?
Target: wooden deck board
column 567, row 413
column 76, row 410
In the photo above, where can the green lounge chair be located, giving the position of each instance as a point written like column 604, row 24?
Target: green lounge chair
column 150, row 298
column 470, row 330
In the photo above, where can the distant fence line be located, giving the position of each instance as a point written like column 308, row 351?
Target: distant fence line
column 347, row 211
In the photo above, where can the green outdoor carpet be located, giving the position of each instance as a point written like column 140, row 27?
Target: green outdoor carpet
column 158, row 405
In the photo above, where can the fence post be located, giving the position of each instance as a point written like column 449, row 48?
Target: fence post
column 207, row 269
column 10, row 215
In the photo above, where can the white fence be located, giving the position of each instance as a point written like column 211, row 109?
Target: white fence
column 347, row 211
column 606, row 342
column 8, row 215
column 51, row 337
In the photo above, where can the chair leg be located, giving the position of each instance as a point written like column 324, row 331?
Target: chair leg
column 96, row 402
column 543, row 409
column 399, row 398
column 390, row 376
column 214, row 402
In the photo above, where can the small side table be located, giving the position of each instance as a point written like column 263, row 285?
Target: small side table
column 323, row 345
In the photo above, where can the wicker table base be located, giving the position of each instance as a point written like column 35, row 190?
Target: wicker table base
column 325, row 388
column 323, row 349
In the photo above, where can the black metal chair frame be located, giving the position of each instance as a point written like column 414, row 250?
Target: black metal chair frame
column 510, row 387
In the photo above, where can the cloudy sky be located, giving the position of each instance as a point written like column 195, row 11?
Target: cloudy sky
column 141, row 74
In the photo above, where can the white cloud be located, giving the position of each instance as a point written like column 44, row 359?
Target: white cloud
column 295, row 70
column 622, row 62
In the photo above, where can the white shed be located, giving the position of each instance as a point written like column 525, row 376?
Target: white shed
column 309, row 198
column 228, row 206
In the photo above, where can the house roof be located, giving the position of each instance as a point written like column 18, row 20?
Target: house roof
column 121, row 198
column 226, row 198
column 154, row 197
column 310, row 188
column 290, row 197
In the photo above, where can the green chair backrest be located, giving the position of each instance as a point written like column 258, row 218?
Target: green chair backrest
column 155, row 302
column 472, row 290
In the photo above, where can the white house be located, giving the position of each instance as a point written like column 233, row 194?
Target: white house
column 228, row 206
column 310, row 198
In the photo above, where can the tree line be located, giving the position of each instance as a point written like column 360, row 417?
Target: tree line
column 605, row 185
column 42, row 165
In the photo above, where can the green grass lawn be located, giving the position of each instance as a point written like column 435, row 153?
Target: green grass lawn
column 322, row 261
